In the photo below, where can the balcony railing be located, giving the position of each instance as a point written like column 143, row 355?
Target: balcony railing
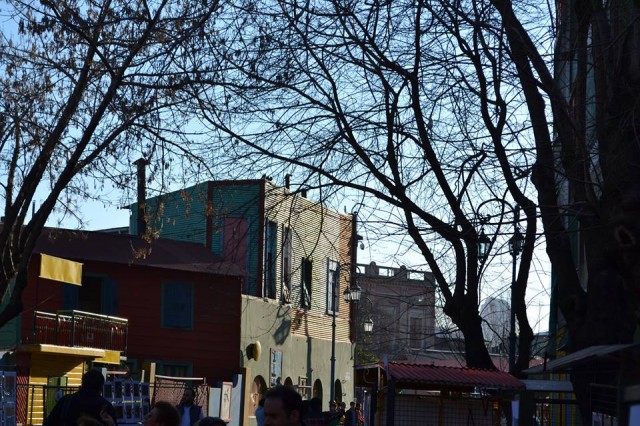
column 80, row 329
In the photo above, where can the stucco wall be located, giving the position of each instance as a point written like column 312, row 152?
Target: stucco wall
column 270, row 323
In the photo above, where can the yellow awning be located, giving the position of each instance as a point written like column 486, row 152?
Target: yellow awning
column 58, row 269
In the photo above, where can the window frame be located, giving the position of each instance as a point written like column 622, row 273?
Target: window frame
column 286, row 267
column 270, row 260
column 333, row 287
column 164, row 305
column 306, row 282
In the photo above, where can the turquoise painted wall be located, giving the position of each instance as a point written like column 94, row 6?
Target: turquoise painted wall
column 182, row 215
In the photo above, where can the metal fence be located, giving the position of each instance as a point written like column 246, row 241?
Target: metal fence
column 131, row 400
column 77, row 328
column 435, row 410
column 171, row 389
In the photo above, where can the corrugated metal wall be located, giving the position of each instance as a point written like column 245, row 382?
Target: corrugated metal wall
column 320, row 235
column 179, row 215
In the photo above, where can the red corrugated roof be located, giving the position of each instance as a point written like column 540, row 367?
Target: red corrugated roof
column 425, row 374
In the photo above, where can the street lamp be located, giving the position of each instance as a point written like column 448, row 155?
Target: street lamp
column 351, row 295
column 368, row 325
column 516, row 243
column 483, row 245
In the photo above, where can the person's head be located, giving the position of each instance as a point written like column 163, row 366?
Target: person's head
column 88, row 421
column 315, row 405
column 352, row 405
column 93, row 380
column 282, row 407
column 211, row 421
column 305, row 408
column 189, row 396
column 343, row 405
column 261, row 402
column 163, row 414
column 358, row 406
column 333, row 406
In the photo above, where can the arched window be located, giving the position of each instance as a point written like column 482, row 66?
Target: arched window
column 317, row 389
column 258, row 389
column 338, row 390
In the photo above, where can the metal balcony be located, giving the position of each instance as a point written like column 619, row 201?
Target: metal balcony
column 80, row 329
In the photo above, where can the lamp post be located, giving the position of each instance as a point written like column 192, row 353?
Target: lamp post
column 350, row 295
column 515, row 248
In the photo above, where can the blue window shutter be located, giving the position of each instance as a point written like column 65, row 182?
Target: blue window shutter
column 70, row 296
column 109, row 297
column 177, row 304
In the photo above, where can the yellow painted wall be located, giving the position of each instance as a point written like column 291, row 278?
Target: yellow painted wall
column 44, row 366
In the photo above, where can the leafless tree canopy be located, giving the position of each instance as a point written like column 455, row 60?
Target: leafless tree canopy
column 88, row 87
column 415, row 105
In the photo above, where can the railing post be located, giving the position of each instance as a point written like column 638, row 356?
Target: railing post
column 33, row 327
column 56, row 329
column 73, row 328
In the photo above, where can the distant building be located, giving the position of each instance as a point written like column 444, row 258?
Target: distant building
column 496, row 316
column 401, row 304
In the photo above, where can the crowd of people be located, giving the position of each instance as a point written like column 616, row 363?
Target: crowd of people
column 283, row 406
column 87, row 407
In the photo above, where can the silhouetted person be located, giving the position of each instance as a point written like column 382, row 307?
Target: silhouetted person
column 162, row 414
column 351, row 416
column 283, row 407
column 315, row 417
column 87, row 402
column 211, row 421
column 260, row 413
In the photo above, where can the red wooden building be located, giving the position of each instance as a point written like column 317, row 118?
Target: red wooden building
column 170, row 302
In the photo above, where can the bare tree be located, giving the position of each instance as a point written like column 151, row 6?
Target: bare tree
column 411, row 104
column 448, row 111
column 88, row 87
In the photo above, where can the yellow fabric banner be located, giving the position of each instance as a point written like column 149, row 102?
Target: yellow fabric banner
column 58, row 269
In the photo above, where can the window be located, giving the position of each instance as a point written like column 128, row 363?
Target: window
column 98, row 295
column 306, row 268
column 235, row 240
column 56, row 388
column 175, row 369
column 333, row 286
column 287, row 249
column 270, row 238
column 177, row 304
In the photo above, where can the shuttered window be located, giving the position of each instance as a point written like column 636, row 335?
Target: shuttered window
column 177, row 304
column 305, row 284
column 333, row 282
column 287, row 249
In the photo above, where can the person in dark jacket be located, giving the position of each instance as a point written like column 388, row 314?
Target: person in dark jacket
column 189, row 412
column 87, row 402
column 351, row 415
